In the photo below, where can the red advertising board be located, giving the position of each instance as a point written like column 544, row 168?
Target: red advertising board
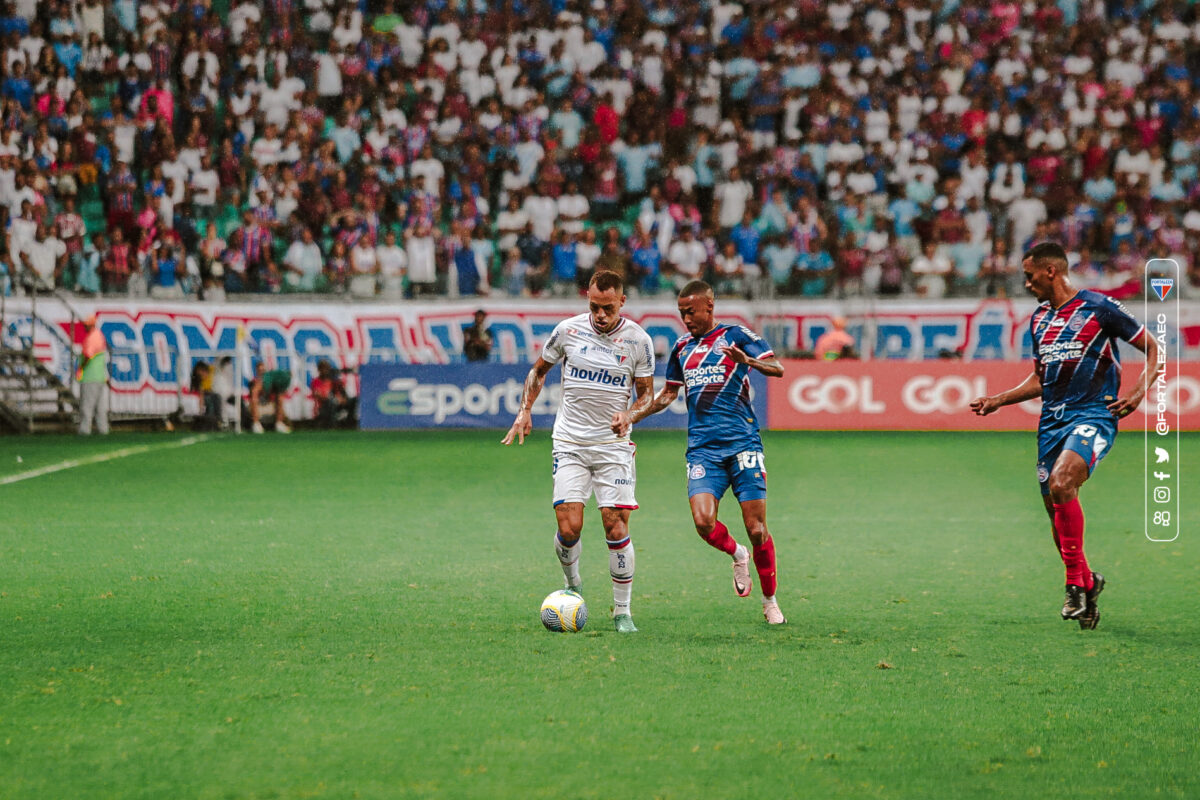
column 934, row 395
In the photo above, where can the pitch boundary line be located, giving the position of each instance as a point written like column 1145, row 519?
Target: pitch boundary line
column 99, row 458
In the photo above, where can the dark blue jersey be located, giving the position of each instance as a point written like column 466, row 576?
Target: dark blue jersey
column 1075, row 351
column 720, row 416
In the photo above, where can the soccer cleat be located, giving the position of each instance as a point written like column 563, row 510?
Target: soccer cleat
column 624, row 624
column 282, row 427
column 577, row 588
column 1089, row 619
column 256, row 428
column 741, row 575
column 772, row 613
column 1075, row 603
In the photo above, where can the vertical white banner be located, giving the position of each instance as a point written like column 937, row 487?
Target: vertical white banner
column 1162, row 402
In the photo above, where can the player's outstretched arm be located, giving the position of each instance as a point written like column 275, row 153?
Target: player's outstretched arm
column 769, row 366
column 622, row 421
column 1028, row 389
column 661, row 400
column 523, row 425
column 1128, row 402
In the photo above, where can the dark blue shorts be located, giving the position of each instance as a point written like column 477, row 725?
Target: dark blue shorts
column 1091, row 436
column 713, row 474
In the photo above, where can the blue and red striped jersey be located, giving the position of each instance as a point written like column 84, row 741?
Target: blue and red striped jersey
column 720, row 415
column 1075, row 350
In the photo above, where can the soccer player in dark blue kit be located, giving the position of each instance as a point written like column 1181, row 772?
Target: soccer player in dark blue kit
column 713, row 363
column 1077, row 373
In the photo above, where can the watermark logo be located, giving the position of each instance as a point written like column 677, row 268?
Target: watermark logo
column 1161, row 406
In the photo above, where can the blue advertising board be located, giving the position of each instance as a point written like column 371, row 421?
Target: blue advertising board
column 483, row 395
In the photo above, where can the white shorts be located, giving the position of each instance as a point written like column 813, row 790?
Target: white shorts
column 607, row 470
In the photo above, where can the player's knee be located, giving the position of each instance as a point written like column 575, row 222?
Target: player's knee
column 1063, row 487
column 757, row 530
column 705, row 524
column 568, row 537
column 616, row 531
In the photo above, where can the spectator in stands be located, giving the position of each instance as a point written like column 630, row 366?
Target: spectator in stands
column 729, row 272
column 393, row 264
column 687, row 260
column 933, row 271
column 564, row 259
column 420, row 249
column 167, row 270
column 364, row 268
column 302, row 264
column 45, row 258
column 438, row 120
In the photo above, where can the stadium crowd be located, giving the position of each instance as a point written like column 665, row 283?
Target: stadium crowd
column 782, row 147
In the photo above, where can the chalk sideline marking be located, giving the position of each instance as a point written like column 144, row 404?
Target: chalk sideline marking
column 99, row 458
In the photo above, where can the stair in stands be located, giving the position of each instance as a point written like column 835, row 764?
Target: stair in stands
column 32, row 398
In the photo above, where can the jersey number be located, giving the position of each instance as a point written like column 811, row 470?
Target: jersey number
column 750, row 459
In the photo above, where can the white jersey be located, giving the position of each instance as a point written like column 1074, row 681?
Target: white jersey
column 598, row 372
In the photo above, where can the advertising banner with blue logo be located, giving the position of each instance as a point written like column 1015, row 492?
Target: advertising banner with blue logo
column 483, row 396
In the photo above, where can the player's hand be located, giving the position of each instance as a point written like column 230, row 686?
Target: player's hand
column 522, row 426
column 1124, row 406
column 621, row 423
column 982, row 406
column 735, row 354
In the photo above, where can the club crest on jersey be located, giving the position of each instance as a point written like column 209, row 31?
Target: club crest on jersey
column 1076, row 324
column 695, row 472
column 1162, row 286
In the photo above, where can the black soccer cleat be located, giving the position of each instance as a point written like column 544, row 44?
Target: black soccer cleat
column 1075, row 603
column 1091, row 617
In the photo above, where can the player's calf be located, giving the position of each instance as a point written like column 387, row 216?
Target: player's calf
column 568, row 551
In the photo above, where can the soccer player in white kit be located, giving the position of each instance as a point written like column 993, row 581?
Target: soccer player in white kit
column 605, row 358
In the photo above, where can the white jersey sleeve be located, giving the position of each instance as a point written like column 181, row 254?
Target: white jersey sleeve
column 552, row 350
column 643, row 352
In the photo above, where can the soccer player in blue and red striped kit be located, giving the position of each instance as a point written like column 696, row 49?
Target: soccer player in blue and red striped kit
column 1077, row 373
column 713, row 363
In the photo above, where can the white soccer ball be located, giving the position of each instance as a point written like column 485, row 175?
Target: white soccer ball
column 564, row 611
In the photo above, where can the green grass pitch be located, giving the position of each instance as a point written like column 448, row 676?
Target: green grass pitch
column 355, row 615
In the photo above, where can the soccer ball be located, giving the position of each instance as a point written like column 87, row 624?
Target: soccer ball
column 564, row 611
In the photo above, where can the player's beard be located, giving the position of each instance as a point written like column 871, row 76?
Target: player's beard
column 611, row 327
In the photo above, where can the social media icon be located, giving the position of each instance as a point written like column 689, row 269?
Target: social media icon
column 1162, row 494
column 1161, row 455
column 1162, row 476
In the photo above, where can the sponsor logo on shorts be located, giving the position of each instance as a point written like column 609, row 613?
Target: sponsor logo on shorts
column 1043, row 473
column 695, row 472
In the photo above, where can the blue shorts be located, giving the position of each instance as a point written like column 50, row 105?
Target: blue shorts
column 1091, row 436
column 713, row 474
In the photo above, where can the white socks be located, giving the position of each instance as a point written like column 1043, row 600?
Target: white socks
column 620, row 567
column 568, row 557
